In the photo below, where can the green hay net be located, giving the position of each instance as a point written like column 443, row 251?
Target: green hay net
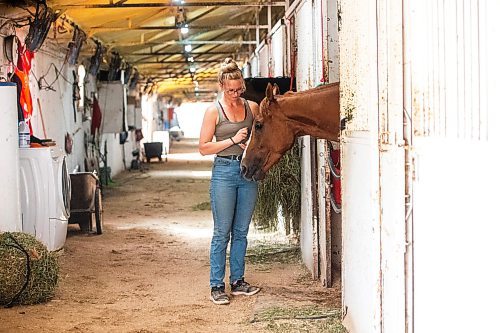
column 18, row 283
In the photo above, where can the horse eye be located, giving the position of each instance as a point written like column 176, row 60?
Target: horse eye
column 258, row 126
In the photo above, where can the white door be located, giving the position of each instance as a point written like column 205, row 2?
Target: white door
column 305, row 70
column 373, row 166
column 360, row 167
column 391, row 164
column 329, row 223
column 451, row 80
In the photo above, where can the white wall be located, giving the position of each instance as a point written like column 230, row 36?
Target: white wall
column 264, row 61
column 150, row 117
column 53, row 107
column 53, row 115
column 254, row 66
column 119, row 156
column 278, row 43
column 190, row 117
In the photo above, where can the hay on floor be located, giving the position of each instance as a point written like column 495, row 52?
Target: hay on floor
column 20, row 284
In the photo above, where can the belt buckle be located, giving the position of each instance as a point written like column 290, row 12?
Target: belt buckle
column 238, row 157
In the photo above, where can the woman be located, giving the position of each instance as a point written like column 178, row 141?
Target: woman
column 232, row 197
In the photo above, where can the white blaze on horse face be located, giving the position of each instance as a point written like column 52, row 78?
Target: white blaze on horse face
column 246, row 145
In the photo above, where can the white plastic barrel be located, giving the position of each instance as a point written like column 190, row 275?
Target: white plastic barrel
column 10, row 214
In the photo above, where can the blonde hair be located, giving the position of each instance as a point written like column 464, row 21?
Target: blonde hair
column 230, row 71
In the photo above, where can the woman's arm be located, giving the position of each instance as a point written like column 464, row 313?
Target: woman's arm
column 206, row 146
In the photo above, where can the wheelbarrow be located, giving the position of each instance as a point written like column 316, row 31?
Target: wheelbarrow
column 86, row 202
column 153, row 149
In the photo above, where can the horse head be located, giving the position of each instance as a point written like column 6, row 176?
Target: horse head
column 270, row 138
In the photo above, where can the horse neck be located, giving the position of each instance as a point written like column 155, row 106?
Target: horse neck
column 315, row 112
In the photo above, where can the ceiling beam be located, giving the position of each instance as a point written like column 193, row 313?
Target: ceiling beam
column 176, row 62
column 173, row 4
column 173, row 27
column 184, row 42
column 177, row 53
column 173, row 62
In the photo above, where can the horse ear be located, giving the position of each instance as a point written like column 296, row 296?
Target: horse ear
column 276, row 89
column 269, row 92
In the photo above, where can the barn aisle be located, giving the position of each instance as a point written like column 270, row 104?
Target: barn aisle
column 148, row 271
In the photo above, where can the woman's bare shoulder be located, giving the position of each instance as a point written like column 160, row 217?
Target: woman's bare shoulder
column 211, row 113
column 253, row 106
column 211, row 110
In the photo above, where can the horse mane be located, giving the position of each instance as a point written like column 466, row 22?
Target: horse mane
column 309, row 91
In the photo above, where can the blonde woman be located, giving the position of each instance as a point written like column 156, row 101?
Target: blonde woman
column 232, row 197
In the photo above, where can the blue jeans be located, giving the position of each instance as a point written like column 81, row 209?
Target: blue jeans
column 232, row 198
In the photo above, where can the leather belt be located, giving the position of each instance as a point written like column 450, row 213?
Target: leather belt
column 232, row 157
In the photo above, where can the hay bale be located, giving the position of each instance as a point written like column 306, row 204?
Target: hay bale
column 18, row 283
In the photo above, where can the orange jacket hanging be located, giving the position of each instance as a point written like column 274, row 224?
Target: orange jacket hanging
column 22, row 71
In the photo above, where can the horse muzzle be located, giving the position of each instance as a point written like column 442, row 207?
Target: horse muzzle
column 252, row 173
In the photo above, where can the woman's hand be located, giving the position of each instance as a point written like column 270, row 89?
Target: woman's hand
column 241, row 135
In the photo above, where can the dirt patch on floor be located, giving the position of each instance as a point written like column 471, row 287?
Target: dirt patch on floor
column 149, row 270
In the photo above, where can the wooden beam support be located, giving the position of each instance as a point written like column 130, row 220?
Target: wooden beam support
column 172, row 4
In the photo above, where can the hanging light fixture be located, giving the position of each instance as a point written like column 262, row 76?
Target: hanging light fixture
column 188, row 48
column 184, row 29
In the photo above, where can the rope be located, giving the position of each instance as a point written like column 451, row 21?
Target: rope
column 28, row 270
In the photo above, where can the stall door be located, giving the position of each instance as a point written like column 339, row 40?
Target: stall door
column 360, row 167
column 373, row 166
column 451, row 80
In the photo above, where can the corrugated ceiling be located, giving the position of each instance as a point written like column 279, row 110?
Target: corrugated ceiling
column 147, row 35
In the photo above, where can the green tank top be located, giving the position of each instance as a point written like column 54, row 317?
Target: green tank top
column 226, row 128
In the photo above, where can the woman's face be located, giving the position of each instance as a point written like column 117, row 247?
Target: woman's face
column 233, row 88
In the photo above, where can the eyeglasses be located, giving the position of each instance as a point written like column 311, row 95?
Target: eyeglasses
column 235, row 91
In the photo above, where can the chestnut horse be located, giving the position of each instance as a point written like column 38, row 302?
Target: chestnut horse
column 282, row 118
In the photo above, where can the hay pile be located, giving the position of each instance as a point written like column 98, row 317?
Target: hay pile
column 20, row 284
column 279, row 193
